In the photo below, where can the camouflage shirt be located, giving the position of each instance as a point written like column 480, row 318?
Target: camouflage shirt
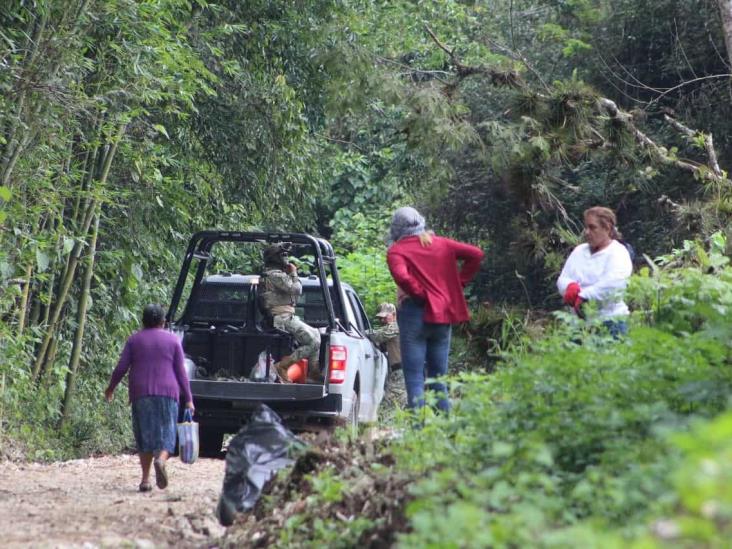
column 280, row 291
column 385, row 333
column 388, row 335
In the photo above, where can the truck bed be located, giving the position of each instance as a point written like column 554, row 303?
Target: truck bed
column 258, row 392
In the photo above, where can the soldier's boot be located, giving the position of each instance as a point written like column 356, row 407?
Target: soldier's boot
column 281, row 368
column 315, row 375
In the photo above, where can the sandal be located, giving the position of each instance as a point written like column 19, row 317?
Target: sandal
column 161, row 475
column 145, row 487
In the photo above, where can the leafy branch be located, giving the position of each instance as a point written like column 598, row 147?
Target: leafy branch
column 501, row 78
column 605, row 108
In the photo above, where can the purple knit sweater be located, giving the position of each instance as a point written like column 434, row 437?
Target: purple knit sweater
column 154, row 358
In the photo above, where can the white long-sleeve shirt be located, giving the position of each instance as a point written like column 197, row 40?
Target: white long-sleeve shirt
column 602, row 276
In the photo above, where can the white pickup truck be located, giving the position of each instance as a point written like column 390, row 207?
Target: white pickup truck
column 227, row 341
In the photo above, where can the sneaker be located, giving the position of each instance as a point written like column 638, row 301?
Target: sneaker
column 161, row 475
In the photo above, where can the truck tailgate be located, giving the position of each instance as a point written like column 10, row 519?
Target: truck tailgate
column 244, row 391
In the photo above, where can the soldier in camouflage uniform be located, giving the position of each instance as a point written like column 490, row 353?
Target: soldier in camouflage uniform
column 279, row 289
column 387, row 337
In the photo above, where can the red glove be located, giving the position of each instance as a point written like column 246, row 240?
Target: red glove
column 571, row 294
column 578, row 305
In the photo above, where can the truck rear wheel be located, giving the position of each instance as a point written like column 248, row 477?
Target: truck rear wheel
column 210, row 442
column 352, row 419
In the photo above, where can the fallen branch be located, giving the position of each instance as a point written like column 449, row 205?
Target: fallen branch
column 710, row 172
column 713, row 163
column 660, row 153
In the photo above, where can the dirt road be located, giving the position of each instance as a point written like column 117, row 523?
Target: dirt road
column 95, row 503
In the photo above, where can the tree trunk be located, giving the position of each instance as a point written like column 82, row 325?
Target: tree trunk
column 80, row 324
column 725, row 8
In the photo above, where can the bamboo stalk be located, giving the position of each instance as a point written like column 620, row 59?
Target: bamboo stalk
column 63, row 294
column 22, row 309
column 40, row 362
column 46, row 308
column 50, row 357
column 80, row 325
column 16, row 146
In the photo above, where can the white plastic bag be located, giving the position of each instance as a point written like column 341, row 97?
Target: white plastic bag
column 259, row 370
column 188, row 438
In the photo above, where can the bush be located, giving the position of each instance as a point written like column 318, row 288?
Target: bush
column 495, row 330
column 574, row 439
column 689, row 290
column 703, row 485
column 369, row 275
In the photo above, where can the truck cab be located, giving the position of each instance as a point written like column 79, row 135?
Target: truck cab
column 231, row 347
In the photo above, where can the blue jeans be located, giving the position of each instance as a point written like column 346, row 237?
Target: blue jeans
column 425, row 348
column 617, row 328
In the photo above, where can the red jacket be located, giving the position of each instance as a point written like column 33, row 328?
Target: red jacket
column 431, row 273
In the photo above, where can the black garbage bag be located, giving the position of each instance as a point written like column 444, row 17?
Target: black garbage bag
column 260, row 449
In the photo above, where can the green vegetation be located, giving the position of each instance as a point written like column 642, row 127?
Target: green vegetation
column 578, row 440
column 572, row 440
column 125, row 126
column 362, row 259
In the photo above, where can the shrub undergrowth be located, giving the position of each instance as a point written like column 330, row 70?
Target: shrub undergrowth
column 574, row 439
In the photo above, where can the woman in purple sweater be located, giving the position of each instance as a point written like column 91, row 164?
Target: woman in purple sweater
column 154, row 358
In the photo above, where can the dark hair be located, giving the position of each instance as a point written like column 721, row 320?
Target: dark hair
column 153, row 315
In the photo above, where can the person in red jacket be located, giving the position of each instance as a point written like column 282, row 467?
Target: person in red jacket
column 425, row 268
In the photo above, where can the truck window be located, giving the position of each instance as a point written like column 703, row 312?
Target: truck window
column 311, row 307
column 221, row 303
column 362, row 321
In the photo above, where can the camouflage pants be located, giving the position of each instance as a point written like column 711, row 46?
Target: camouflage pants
column 307, row 337
column 396, row 392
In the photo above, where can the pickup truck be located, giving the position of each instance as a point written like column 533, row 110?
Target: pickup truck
column 227, row 339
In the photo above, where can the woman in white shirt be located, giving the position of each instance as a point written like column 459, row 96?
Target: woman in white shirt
column 599, row 270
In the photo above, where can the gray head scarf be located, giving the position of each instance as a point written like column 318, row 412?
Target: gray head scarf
column 406, row 222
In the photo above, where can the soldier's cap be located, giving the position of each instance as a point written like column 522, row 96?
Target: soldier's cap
column 386, row 309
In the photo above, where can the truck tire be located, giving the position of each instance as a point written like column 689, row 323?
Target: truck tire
column 209, row 442
column 352, row 419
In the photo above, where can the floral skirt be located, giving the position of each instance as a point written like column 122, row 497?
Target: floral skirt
column 154, row 422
